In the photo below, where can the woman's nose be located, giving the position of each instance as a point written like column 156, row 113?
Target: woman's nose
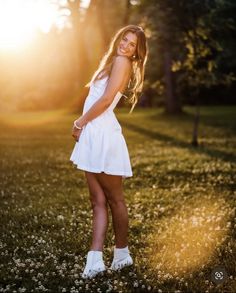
column 125, row 45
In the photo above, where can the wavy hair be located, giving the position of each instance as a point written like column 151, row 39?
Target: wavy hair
column 138, row 61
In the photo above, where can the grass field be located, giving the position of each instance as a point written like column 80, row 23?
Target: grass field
column 181, row 202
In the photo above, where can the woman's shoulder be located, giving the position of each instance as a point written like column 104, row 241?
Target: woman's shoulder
column 122, row 61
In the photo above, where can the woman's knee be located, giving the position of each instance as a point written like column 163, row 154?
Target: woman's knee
column 116, row 202
column 97, row 195
column 98, row 201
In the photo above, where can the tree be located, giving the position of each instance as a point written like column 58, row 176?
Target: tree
column 200, row 65
column 163, row 22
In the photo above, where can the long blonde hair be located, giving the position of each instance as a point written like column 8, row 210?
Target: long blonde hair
column 138, row 61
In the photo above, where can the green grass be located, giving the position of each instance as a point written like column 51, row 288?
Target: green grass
column 181, row 203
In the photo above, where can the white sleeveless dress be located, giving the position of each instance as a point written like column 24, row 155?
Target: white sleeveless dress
column 101, row 146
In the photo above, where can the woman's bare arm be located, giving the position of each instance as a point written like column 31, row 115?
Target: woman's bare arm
column 120, row 71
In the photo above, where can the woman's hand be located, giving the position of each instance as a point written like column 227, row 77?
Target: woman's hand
column 76, row 133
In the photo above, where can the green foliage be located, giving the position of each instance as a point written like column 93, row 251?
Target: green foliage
column 201, row 38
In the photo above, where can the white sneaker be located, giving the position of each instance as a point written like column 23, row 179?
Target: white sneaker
column 121, row 259
column 94, row 264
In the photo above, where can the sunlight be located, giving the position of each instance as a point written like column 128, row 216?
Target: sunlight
column 15, row 24
column 188, row 241
column 45, row 15
column 30, row 119
column 20, row 19
column 84, row 3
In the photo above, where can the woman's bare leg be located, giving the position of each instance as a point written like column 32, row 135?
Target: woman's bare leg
column 100, row 211
column 112, row 186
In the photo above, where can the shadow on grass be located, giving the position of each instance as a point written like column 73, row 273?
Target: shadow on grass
column 172, row 178
column 221, row 118
column 227, row 157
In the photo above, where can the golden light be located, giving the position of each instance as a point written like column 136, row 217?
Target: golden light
column 31, row 119
column 19, row 20
column 188, row 241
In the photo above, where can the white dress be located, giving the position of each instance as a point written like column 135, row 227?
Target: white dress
column 101, row 146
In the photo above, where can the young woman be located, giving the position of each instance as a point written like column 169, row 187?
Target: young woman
column 100, row 148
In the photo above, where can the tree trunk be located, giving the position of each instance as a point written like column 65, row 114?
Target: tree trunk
column 127, row 12
column 196, row 124
column 101, row 16
column 172, row 102
column 78, row 46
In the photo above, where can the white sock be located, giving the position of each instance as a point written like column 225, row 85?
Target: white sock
column 121, row 253
column 94, row 256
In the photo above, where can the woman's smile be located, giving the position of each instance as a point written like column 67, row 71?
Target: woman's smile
column 122, row 51
column 128, row 44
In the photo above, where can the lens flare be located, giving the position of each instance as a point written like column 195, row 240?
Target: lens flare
column 187, row 241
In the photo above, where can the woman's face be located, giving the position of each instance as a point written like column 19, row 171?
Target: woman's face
column 127, row 45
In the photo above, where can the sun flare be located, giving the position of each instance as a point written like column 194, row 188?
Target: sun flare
column 19, row 20
column 189, row 239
